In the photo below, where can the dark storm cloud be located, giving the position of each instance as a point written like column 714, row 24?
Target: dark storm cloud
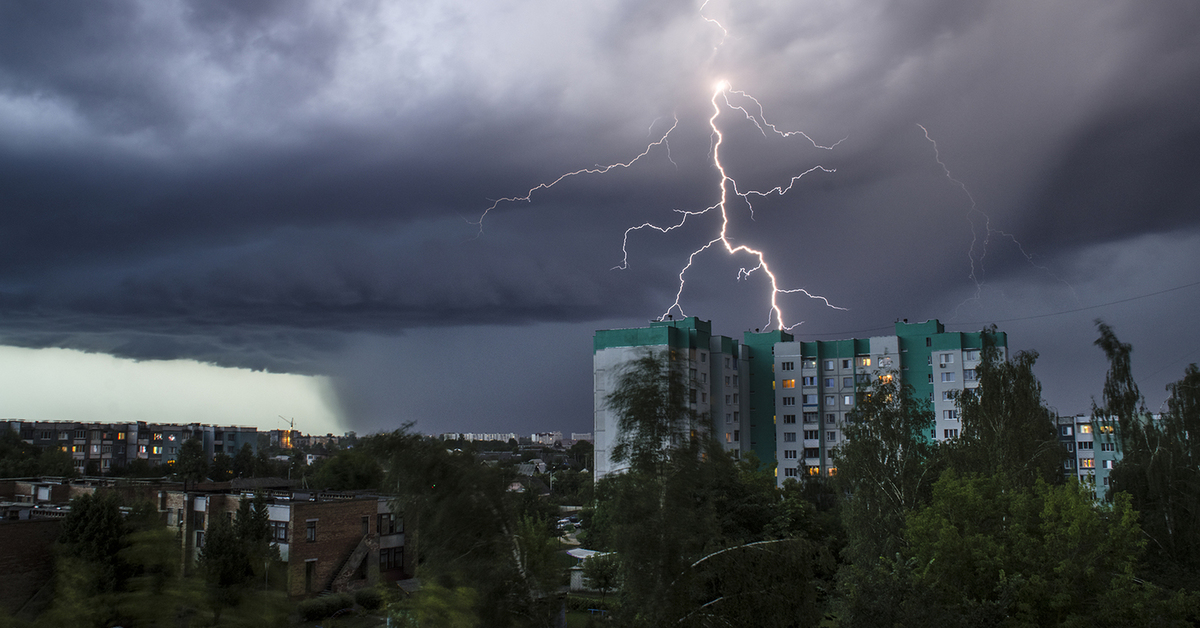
column 280, row 185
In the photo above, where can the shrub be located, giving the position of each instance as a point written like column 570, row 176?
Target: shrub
column 370, row 599
column 324, row 606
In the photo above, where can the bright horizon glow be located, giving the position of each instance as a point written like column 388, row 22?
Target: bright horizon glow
column 69, row 385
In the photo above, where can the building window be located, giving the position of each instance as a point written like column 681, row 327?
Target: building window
column 830, row 418
column 1066, row 430
column 1087, row 444
column 703, row 397
column 931, row 380
column 391, row 558
column 810, row 381
column 812, row 434
column 692, row 395
column 971, row 355
column 726, row 380
column 969, row 375
column 728, row 437
column 789, row 401
column 199, row 539
column 950, row 433
column 1087, row 463
column 1070, row 446
column 828, row 365
column 950, row 415
column 947, row 358
column 1085, row 429
column 279, row 531
column 735, row 398
column 947, row 377
column 830, row 400
column 1069, row 463
column 789, row 437
column 845, row 364
column 831, row 436
column 1108, row 464
column 810, row 400
column 789, row 383
column 789, row 472
column 787, row 366
column 789, row 418
column 703, row 357
column 728, row 418
column 737, row 436
column 829, row 382
column 310, row 531
column 726, row 361
column 735, row 417
column 812, row 452
column 389, row 523
column 847, row 382
column 156, row 450
column 864, row 361
column 80, row 433
column 810, row 417
column 847, row 400
column 809, row 363
column 929, row 342
column 728, row 400
column 789, row 453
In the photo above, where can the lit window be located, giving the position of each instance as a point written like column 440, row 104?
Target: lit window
column 809, row 363
column 729, row 437
column 864, row 361
column 1087, row 463
column 1085, row 429
column 156, row 450
column 1106, row 429
column 789, row 383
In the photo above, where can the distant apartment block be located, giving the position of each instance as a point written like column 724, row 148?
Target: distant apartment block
column 115, row 445
column 788, row 400
column 471, row 437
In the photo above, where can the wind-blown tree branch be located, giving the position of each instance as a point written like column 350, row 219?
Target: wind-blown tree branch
column 1160, row 463
column 653, row 416
column 886, row 466
column 1007, row 428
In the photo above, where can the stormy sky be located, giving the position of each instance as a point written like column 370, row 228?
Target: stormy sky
column 296, row 188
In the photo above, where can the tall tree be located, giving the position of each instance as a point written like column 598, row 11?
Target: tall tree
column 653, row 416
column 192, row 464
column 1007, row 427
column 886, row 466
column 1159, row 465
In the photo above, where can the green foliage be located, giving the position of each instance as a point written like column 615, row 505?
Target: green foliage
column 243, row 462
column 1006, row 425
column 324, row 606
column 1160, row 464
column 235, row 554
column 192, row 464
column 886, row 467
column 20, row 459
column 93, row 533
column 370, row 599
column 650, row 402
column 348, row 470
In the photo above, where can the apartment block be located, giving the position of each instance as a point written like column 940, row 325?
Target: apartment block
column 788, row 400
column 115, row 445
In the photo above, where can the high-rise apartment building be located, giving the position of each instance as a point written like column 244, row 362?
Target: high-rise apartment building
column 788, row 400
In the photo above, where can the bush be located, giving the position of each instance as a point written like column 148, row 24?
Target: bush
column 370, row 599
column 324, row 606
column 582, row 603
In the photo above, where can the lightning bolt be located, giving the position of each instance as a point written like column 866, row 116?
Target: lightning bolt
column 977, row 258
column 727, row 185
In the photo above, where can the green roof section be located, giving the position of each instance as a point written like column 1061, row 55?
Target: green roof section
column 687, row 333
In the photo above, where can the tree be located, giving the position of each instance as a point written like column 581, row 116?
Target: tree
column 92, row 533
column 650, row 401
column 1006, row 425
column 192, row 464
column 1160, row 464
column 886, row 467
column 243, row 462
column 349, row 469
